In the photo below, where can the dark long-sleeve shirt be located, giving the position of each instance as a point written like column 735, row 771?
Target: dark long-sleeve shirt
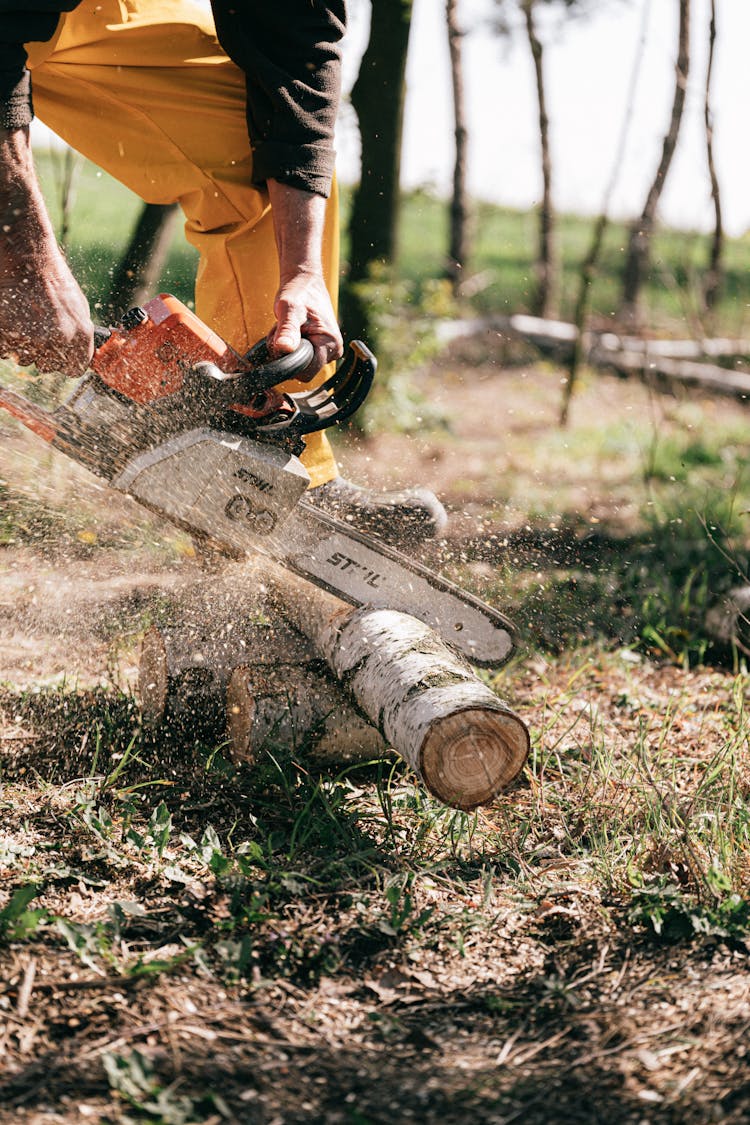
column 290, row 53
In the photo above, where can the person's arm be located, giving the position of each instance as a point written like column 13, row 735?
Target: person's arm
column 290, row 51
column 303, row 305
column 44, row 316
column 291, row 54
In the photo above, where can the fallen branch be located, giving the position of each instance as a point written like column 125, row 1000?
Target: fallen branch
column 667, row 374
column 664, row 363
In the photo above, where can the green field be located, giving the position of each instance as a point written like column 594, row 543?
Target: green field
column 504, row 245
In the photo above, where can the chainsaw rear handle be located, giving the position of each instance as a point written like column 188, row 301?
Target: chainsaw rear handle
column 216, row 389
column 266, row 371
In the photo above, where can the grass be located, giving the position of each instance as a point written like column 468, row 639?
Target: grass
column 505, row 241
column 185, row 941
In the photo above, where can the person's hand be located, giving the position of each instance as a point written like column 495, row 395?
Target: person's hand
column 44, row 316
column 302, row 306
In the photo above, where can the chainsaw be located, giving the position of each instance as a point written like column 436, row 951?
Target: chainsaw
column 175, row 418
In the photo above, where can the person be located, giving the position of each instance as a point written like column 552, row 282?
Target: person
column 233, row 117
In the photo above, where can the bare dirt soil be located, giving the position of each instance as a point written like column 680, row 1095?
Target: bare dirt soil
column 216, row 947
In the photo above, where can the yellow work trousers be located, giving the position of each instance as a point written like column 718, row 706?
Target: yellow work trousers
column 143, row 89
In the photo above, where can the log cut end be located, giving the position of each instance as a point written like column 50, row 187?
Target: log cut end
column 468, row 757
column 153, row 677
column 240, row 716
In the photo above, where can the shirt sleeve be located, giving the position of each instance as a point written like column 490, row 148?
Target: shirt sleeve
column 290, row 51
column 19, row 25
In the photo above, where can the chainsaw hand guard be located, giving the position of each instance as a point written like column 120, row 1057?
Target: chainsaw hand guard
column 333, row 401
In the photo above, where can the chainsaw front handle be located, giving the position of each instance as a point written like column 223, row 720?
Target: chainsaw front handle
column 208, row 389
column 266, row 370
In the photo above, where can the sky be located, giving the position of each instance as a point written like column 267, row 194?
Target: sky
column 589, row 64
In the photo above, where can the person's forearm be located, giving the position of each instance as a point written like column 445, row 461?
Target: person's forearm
column 303, row 304
column 298, row 221
column 44, row 316
column 22, row 209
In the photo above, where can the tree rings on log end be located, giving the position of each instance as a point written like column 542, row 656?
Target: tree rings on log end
column 470, row 756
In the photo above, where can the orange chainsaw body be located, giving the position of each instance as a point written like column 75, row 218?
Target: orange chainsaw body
column 148, row 360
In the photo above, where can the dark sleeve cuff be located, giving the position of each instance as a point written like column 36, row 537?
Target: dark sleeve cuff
column 309, row 167
column 16, row 111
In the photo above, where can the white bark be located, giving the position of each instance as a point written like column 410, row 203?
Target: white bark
column 462, row 741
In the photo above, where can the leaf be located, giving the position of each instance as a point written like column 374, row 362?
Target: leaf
column 16, row 922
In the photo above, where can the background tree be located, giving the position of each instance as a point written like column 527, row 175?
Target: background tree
column 140, row 267
column 378, row 99
column 459, row 236
column 639, row 244
column 546, row 266
column 590, row 264
column 713, row 279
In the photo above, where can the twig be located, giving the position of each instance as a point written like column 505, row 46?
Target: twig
column 27, row 985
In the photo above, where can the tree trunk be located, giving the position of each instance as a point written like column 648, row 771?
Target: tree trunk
column 713, row 279
column 463, row 742
column 546, row 265
column 590, row 264
column 378, row 99
column 458, row 245
column 71, row 163
column 639, row 244
column 137, row 275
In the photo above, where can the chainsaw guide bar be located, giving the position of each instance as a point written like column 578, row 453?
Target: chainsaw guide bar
column 247, row 496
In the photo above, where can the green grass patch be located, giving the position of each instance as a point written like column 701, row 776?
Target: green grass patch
column 103, row 213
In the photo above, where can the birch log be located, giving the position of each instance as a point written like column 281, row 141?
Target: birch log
column 252, row 688
column 298, row 707
column 462, row 741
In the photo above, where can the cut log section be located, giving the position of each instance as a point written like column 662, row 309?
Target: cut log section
column 298, row 708
column 462, row 741
column 729, row 620
column 252, row 688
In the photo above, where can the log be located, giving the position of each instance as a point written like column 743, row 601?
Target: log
column 252, row 688
column 299, row 708
column 184, row 668
column 707, row 348
column 668, row 374
column 665, row 364
column 729, row 620
column 463, row 742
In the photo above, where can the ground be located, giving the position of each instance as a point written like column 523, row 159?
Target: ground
column 184, row 942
